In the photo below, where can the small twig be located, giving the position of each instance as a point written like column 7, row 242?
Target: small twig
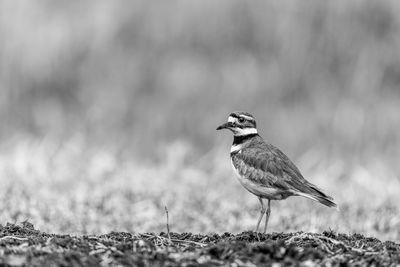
column 258, row 236
column 333, row 241
column 97, row 251
column 294, row 237
column 324, row 238
column 190, row 242
column 13, row 237
column 176, row 240
column 166, row 212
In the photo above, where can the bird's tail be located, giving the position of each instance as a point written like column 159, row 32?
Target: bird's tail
column 320, row 197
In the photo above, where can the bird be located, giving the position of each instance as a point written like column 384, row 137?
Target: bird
column 264, row 170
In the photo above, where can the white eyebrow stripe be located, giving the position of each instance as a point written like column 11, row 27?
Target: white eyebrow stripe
column 247, row 117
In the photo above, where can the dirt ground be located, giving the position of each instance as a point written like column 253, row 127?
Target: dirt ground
column 22, row 245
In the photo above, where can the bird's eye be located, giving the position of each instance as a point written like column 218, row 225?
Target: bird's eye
column 241, row 120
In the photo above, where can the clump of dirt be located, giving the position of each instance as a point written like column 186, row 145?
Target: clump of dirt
column 22, row 245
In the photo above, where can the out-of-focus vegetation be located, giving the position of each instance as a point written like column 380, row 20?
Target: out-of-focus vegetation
column 108, row 112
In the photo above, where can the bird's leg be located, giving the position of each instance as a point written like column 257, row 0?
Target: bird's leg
column 267, row 213
column 261, row 214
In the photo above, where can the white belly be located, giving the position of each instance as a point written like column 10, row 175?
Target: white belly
column 256, row 189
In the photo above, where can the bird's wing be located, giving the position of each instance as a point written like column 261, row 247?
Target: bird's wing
column 267, row 166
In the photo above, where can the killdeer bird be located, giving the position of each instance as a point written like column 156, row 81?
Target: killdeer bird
column 264, row 170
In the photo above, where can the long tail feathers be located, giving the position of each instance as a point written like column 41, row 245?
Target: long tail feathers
column 321, row 198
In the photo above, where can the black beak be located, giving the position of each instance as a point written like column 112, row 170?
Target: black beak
column 225, row 126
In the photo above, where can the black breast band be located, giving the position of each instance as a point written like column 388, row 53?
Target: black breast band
column 237, row 140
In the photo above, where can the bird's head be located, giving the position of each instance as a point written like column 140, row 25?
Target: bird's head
column 240, row 123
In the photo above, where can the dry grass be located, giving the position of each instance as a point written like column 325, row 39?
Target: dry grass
column 108, row 112
column 77, row 189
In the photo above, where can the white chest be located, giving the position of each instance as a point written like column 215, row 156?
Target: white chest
column 236, row 148
column 236, row 171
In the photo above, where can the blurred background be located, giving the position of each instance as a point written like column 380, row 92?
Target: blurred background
column 108, row 112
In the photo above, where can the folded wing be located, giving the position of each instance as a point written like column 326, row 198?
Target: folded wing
column 270, row 167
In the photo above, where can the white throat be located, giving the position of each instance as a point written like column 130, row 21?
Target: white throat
column 245, row 131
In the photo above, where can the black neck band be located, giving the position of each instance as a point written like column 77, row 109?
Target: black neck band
column 241, row 138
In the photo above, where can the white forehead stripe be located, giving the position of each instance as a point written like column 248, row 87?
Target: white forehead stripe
column 231, row 119
column 245, row 131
